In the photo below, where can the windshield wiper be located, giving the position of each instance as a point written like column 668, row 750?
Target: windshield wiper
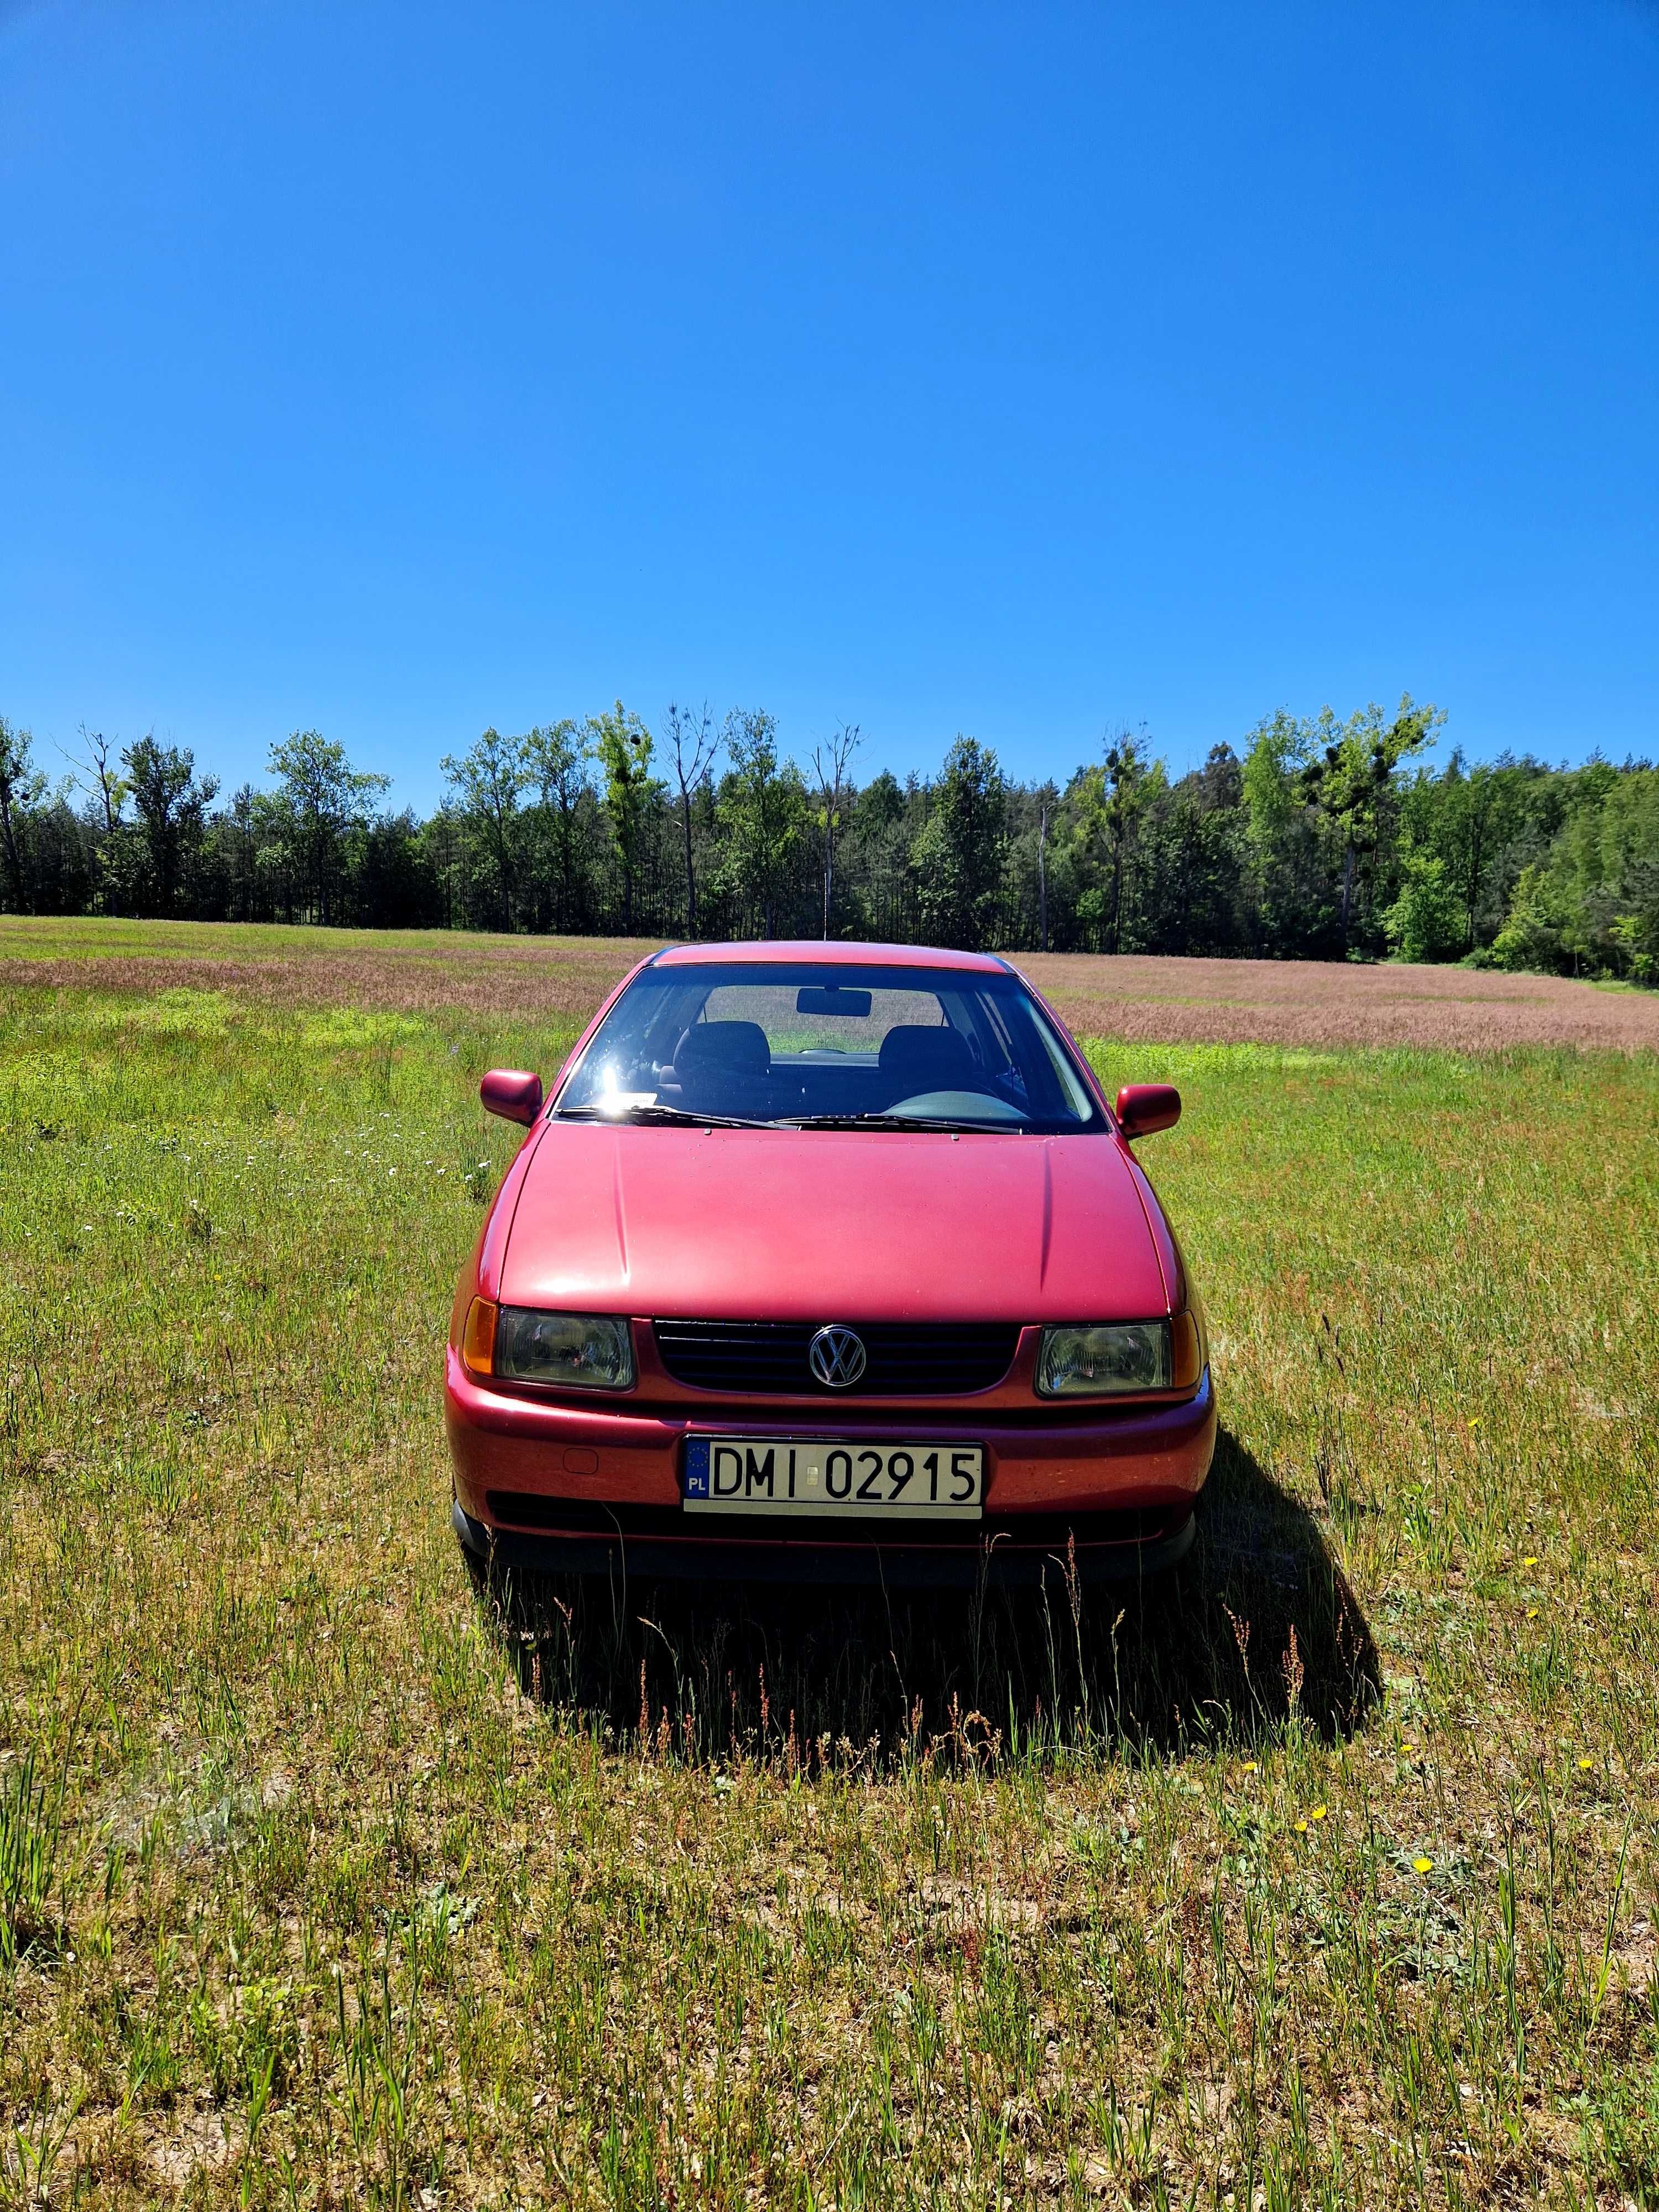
column 670, row 1116
column 677, row 1117
column 898, row 1121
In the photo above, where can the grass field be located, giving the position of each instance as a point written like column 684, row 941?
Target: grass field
column 1322, row 1874
column 1142, row 997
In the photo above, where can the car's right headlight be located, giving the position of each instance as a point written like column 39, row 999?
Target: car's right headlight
column 572, row 1351
column 1107, row 1358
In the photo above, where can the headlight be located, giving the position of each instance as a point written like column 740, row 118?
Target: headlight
column 1094, row 1363
column 577, row 1352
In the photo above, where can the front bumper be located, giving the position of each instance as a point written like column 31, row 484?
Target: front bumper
column 1102, row 1548
column 540, row 1483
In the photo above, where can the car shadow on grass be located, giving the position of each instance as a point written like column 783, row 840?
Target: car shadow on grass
column 1257, row 1624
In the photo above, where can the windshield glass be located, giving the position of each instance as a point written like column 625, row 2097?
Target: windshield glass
column 809, row 1041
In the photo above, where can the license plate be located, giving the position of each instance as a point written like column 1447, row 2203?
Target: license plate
column 815, row 1476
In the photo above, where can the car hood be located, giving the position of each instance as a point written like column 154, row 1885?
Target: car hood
column 741, row 1224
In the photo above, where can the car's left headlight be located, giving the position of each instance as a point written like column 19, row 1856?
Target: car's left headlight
column 574, row 1351
column 1111, row 1358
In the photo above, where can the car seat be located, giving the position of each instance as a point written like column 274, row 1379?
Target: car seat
column 916, row 1059
column 720, row 1067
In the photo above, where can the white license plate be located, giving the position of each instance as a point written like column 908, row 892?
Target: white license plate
column 832, row 1479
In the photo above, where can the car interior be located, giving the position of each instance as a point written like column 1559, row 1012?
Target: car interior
column 772, row 1049
column 729, row 1067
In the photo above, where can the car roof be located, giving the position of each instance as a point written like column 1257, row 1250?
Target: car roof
column 835, row 953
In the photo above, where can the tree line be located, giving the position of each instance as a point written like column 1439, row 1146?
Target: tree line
column 1318, row 837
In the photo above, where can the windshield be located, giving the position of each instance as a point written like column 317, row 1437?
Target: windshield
column 830, row 1045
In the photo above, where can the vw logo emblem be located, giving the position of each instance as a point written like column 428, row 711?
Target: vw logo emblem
column 835, row 1356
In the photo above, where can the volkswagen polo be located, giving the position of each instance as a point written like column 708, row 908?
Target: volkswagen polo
column 828, row 1261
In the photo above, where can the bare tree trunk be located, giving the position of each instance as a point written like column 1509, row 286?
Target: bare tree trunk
column 696, row 745
column 843, row 747
column 14, row 864
column 1042, row 877
column 504, row 863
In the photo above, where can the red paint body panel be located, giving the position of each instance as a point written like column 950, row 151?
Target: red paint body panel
column 773, row 1224
column 1149, row 1457
column 827, row 953
column 776, row 1225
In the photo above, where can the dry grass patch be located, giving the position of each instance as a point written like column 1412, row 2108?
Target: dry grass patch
column 1333, row 1004
column 1143, row 998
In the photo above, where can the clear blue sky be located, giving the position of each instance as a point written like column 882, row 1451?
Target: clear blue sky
column 1017, row 370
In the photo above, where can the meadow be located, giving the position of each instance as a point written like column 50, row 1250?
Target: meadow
column 1321, row 1872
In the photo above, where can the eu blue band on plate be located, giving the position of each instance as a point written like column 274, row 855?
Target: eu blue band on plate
column 697, row 1467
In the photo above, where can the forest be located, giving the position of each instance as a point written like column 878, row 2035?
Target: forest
column 1318, row 837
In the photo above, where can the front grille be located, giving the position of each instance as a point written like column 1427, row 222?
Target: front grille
column 903, row 1359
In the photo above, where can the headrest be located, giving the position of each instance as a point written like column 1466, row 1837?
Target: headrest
column 740, row 1047
column 937, row 1057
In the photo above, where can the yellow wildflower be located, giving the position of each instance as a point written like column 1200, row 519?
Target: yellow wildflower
column 1318, row 1813
column 1531, row 1560
column 1585, row 1765
column 1421, row 1865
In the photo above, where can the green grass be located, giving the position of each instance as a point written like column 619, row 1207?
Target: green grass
column 320, row 1885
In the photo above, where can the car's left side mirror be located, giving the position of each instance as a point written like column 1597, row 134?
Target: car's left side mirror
column 1143, row 1107
column 512, row 1092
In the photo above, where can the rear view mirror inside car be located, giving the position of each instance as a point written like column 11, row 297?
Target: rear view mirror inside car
column 830, row 998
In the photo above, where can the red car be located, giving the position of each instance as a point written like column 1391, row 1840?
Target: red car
column 827, row 1261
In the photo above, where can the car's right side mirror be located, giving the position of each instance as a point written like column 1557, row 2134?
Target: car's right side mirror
column 512, row 1092
column 1143, row 1107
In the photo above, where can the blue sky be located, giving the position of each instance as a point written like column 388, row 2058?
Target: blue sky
column 1021, row 370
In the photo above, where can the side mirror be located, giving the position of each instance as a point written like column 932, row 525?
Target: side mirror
column 513, row 1093
column 1143, row 1107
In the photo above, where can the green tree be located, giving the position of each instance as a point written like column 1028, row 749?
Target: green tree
column 237, row 829
column 1426, row 921
column 877, row 880
column 623, row 746
column 1107, row 806
column 958, row 855
column 109, row 859
column 172, row 808
column 327, row 798
column 20, row 788
column 556, row 759
column 762, row 812
column 1470, row 827
column 488, row 781
column 1132, row 781
column 1538, row 933
column 1281, row 851
column 1191, row 865
column 1352, row 781
column 1592, row 901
